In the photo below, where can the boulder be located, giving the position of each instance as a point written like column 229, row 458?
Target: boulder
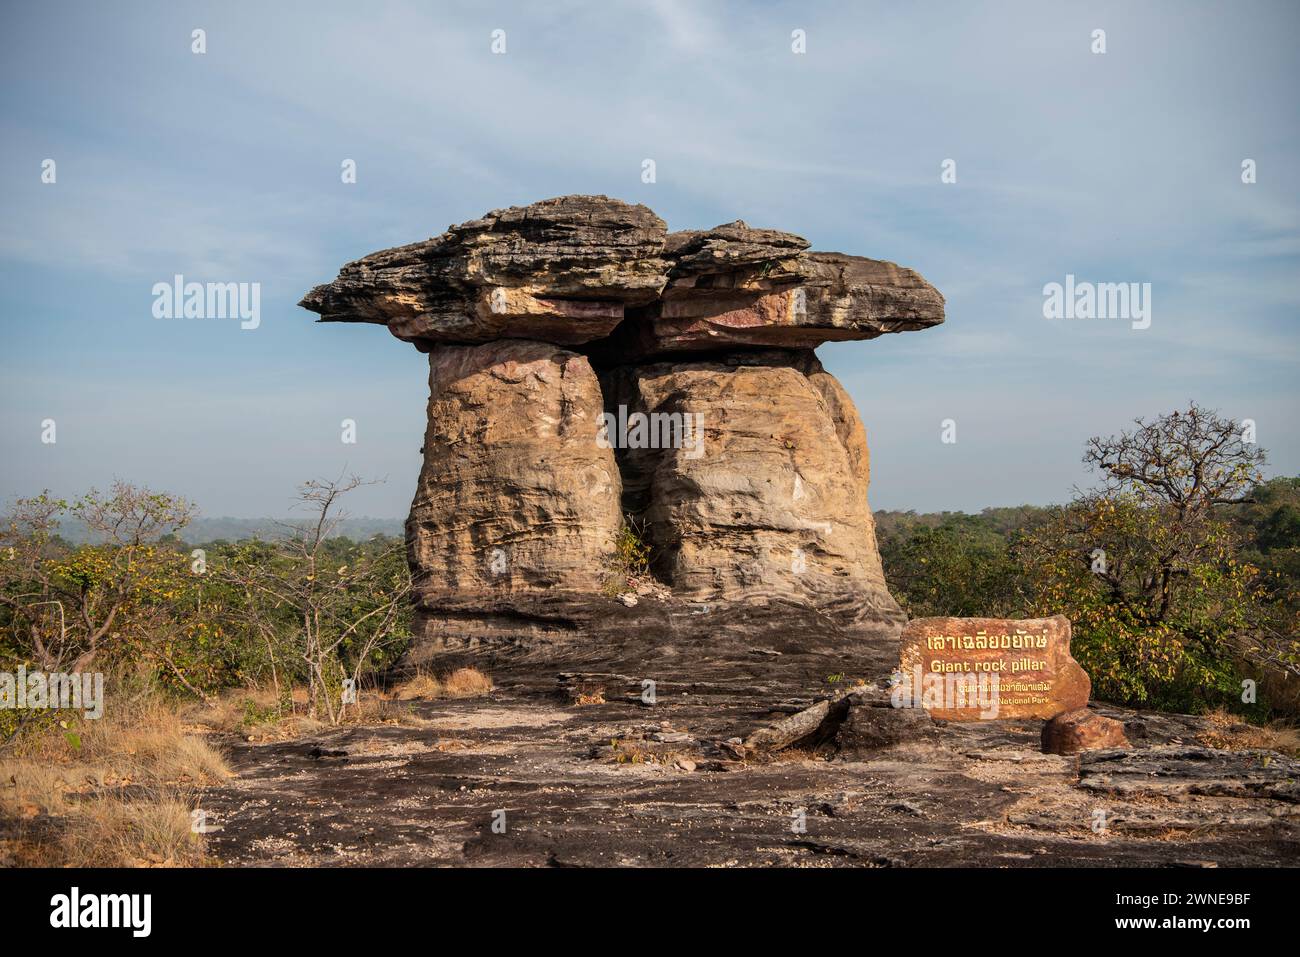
column 872, row 725
column 1082, row 730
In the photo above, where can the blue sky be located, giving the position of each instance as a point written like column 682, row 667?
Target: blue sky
column 1122, row 167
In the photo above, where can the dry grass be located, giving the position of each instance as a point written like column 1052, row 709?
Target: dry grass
column 256, row 714
column 112, row 792
column 234, row 712
column 118, row 791
column 420, row 688
column 114, row 833
column 461, row 683
column 631, row 751
column 1229, row 733
column 585, row 693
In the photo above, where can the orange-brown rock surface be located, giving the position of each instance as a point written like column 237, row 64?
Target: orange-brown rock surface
column 774, row 503
column 1082, row 730
column 515, row 497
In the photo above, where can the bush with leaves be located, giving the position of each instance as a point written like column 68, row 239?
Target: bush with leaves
column 1148, row 567
column 1104, row 561
column 311, row 608
column 67, row 608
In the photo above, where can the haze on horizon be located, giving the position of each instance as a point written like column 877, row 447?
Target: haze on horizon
column 225, row 167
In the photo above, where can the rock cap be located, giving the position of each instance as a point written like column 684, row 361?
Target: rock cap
column 577, row 269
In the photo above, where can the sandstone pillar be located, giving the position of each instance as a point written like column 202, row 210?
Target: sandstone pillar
column 515, row 496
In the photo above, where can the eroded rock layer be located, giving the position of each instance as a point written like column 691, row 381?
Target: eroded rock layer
column 576, row 269
column 561, row 270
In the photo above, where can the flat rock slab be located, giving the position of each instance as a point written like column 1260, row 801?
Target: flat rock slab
column 578, row 269
column 1179, row 772
column 608, row 785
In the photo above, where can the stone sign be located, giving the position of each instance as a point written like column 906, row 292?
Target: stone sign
column 973, row 669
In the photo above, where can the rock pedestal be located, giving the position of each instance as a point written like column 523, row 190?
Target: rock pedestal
column 592, row 373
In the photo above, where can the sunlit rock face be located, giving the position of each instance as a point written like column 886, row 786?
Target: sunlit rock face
column 591, row 372
column 769, row 500
column 515, row 495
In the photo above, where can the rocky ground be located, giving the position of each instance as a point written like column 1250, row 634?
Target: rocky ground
column 621, row 782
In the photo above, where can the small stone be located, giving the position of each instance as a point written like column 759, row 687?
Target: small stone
column 733, row 748
column 1082, row 730
column 686, row 764
column 628, row 599
column 672, row 737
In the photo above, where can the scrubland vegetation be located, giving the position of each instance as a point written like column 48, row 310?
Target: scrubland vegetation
column 263, row 639
column 1180, row 571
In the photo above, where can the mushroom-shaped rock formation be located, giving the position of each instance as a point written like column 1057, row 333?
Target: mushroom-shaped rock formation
column 595, row 378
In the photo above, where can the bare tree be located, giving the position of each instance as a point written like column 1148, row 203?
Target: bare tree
column 1190, row 461
column 343, row 613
